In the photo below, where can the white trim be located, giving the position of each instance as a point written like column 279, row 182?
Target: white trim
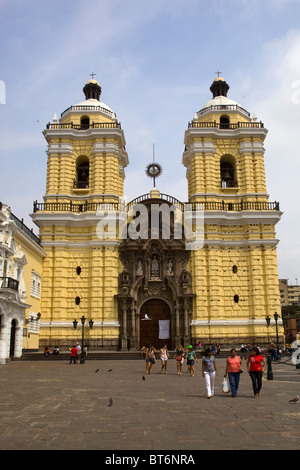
column 214, row 132
column 234, row 322
column 86, row 196
column 83, row 245
column 242, row 243
column 252, row 147
column 228, row 196
column 69, row 324
column 242, row 217
column 85, row 134
column 61, row 148
column 41, row 218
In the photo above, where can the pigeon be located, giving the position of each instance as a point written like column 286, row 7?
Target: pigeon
column 97, row 370
column 110, row 402
column 109, row 370
column 295, row 400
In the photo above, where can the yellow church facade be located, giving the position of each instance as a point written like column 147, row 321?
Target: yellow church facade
column 150, row 285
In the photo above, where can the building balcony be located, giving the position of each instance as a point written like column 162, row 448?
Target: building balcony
column 235, row 206
column 9, row 283
column 74, row 207
column 81, row 184
column 115, row 206
column 83, row 127
column 226, row 126
column 229, row 184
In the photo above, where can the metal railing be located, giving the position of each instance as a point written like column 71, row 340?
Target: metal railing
column 83, row 127
column 74, row 207
column 223, row 107
column 220, row 125
column 9, row 283
column 165, row 197
column 25, row 229
column 115, row 206
column 89, row 108
column 235, row 206
column 80, row 184
column 229, row 184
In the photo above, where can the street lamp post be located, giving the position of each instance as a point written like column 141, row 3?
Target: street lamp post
column 269, row 359
column 75, row 323
column 276, row 316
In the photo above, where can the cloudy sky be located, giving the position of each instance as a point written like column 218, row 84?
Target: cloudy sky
column 155, row 61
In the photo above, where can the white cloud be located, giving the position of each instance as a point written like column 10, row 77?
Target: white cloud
column 272, row 97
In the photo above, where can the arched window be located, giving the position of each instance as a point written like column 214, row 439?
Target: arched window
column 85, row 122
column 228, row 173
column 224, row 122
column 82, row 173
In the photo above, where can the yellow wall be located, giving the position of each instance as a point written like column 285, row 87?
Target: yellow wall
column 34, row 256
column 70, row 238
column 251, row 247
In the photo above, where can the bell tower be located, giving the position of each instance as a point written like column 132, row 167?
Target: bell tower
column 235, row 276
column 85, row 175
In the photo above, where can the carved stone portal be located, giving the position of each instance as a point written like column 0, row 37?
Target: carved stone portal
column 155, row 290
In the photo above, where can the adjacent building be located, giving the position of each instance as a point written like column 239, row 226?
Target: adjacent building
column 21, row 260
column 289, row 293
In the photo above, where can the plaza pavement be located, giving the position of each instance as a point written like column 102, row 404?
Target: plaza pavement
column 52, row 405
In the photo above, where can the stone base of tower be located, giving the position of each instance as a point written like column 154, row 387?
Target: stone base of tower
column 93, row 339
column 235, row 336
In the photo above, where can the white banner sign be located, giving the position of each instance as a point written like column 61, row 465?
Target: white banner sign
column 164, row 329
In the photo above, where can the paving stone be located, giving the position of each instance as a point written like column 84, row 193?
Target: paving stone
column 52, row 405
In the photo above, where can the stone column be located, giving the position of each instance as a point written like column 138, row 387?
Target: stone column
column 124, row 345
column 186, row 322
column 177, row 324
column 133, row 328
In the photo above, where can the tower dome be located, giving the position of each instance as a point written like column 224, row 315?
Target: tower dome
column 219, row 89
column 92, row 90
column 92, row 103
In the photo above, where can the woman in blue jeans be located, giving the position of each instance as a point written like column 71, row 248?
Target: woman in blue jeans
column 234, row 367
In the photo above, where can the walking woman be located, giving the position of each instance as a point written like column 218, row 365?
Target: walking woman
column 150, row 359
column 179, row 356
column 209, row 371
column 191, row 356
column 256, row 367
column 234, row 366
column 164, row 355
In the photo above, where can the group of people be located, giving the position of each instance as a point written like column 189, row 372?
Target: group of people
column 47, row 351
column 234, row 366
column 76, row 352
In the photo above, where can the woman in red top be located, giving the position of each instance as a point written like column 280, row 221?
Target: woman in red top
column 256, row 367
column 73, row 354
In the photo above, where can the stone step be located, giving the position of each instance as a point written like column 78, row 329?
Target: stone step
column 101, row 355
